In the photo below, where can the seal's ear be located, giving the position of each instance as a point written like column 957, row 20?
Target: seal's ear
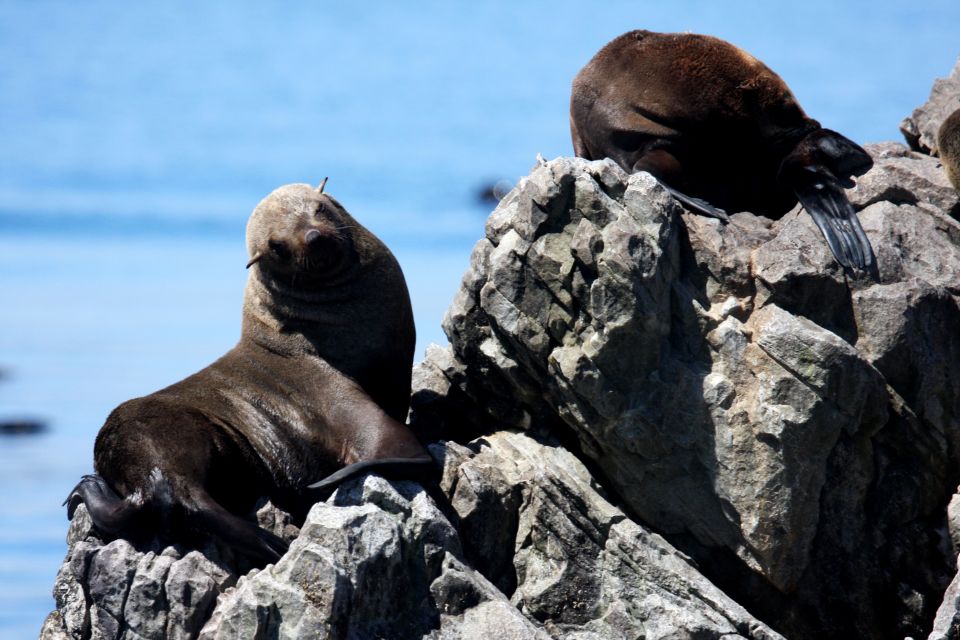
column 254, row 259
column 322, row 185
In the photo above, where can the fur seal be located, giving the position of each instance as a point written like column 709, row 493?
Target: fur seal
column 720, row 130
column 948, row 146
column 318, row 385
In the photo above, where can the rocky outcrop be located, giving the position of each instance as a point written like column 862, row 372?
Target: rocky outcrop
column 792, row 427
column 533, row 520
column 377, row 560
column 540, row 554
column 115, row 589
column 647, row 424
column 920, row 128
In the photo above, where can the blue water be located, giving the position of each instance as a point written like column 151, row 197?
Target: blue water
column 135, row 140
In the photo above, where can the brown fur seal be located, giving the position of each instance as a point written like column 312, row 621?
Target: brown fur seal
column 948, row 146
column 318, row 384
column 719, row 129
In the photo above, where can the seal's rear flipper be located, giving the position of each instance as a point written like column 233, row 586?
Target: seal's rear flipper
column 697, row 205
column 415, row 468
column 114, row 515
column 109, row 512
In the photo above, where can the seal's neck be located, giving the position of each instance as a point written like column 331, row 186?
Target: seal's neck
column 282, row 315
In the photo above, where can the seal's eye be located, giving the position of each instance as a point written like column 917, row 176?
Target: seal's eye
column 279, row 249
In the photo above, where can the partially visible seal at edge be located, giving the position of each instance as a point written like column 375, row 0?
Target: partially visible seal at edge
column 948, row 143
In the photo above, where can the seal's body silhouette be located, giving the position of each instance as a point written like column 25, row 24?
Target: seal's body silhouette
column 317, row 387
column 720, row 129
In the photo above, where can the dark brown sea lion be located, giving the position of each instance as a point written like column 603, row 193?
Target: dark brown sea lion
column 318, row 384
column 948, row 146
column 720, row 130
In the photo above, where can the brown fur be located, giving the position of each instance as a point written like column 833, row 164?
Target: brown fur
column 725, row 117
column 948, row 145
column 716, row 124
column 319, row 381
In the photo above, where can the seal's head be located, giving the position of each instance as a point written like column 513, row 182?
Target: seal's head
column 299, row 231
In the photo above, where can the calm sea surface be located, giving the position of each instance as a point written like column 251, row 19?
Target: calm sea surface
column 134, row 142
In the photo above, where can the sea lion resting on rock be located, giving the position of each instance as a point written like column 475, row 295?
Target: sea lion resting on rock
column 719, row 129
column 948, row 147
column 319, row 381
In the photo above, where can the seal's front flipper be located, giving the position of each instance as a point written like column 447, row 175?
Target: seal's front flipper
column 415, row 468
column 825, row 201
column 698, row 206
column 370, row 440
column 109, row 512
column 817, row 169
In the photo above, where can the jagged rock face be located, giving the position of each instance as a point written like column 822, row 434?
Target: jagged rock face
column 920, row 128
column 533, row 520
column 117, row 590
column 379, row 559
column 796, row 429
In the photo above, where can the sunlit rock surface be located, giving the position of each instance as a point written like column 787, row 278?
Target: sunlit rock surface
column 791, row 426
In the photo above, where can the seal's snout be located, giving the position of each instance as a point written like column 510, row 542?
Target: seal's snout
column 319, row 240
column 323, row 250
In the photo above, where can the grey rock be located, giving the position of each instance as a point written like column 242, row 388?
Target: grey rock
column 115, row 590
column 687, row 427
column 473, row 609
column 902, row 176
column 920, row 128
column 378, row 559
column 580, row 566
column 53, row 627
column 794, row 427
column 946, row 625
column 953, row 523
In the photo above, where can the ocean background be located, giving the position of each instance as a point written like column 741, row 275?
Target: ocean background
column 135, row 139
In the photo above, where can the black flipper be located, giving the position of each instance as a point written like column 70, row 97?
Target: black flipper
column 817, row 169
column 109, row 512
column 697, row 205
column 114, row 515
column 827, row 204
column 406, row 468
